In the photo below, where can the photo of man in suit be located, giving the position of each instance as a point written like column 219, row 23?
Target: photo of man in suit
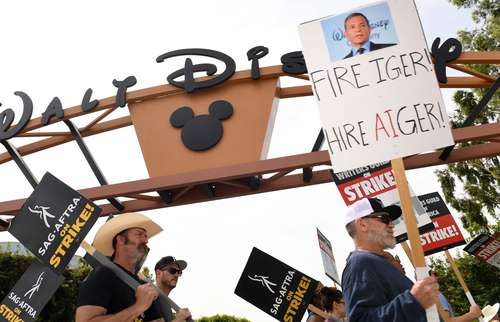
column 357, row 31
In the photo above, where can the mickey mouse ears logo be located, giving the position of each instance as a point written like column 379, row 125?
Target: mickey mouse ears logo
column 200, row 133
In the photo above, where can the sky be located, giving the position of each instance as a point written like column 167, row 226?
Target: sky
column 61, row 48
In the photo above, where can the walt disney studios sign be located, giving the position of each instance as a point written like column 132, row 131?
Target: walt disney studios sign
column 293, row 63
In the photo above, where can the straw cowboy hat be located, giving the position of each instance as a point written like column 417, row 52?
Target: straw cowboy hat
column 489, row 311
column 103, row 240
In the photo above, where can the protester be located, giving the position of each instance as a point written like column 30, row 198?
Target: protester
column 316, row 301
column 357, row 32
column 474, row 310
column 472, row 315
column 103, row 296
column 167, row 271
column 333, row 303
column 374, row 290
column 394, row 260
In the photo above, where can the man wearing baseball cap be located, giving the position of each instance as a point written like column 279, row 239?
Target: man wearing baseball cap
column 103, row 296
column 167, row 271
column 374, row 290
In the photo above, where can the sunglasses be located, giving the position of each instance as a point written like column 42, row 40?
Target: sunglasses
column 382, row 217
column 172, row 270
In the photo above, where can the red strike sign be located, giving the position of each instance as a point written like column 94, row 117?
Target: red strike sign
column 368, row 186
column 489, row 250
column 446, row 234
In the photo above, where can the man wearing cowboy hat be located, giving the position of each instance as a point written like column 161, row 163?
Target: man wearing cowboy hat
column 103, row 296
column 167, row 271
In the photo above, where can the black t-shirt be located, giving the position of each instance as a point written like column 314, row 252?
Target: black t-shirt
column 103, row 288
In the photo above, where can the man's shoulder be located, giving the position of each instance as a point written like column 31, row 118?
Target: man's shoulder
column 375, row 46
column 359, row 257
column 349, row 55
column 98, row 275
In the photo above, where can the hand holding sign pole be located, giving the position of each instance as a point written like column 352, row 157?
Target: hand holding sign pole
column 440, row 309
column 460, row 279
column 163, row 303
column 417, row 251
column 380, row 103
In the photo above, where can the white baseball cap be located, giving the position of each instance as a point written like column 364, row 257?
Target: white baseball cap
column 368, row 206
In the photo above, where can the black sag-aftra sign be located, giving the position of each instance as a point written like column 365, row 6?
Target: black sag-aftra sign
column 30, row 294
column 274, row 287
column 53, row 222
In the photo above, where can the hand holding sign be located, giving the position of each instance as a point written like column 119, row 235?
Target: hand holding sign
column 275, row 288
column 52, row 223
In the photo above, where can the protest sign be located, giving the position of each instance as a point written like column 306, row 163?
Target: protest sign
column 486, row 248
column 30, row 294
column 376, row 88
column 53, row 221
column 377, row 181
column 327, row 256
column 446, row 233
column 274, row 287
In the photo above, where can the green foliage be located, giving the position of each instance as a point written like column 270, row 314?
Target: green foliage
column 63, row 304
column 480, row 277
column 480, row 178
column 222, row 318
column 146, row 272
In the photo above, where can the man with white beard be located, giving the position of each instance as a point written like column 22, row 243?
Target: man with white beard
column 374, row 290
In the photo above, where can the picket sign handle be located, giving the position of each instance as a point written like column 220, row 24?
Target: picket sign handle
column 407, row 250
column 411, row 227
column 442, row 313
column 86, row 246
column 458, row 274
column 460, row 279
column 317, row 311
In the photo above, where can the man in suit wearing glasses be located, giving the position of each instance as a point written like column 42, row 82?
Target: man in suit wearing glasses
column 167, row 271
column 374, row 290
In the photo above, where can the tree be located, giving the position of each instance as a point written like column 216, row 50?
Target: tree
column 480, row 178
column 62, row 305
column 221, row 318
column 481, row 279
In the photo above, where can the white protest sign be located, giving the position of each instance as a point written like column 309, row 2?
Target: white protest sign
column 380, row 102
column 327, row 256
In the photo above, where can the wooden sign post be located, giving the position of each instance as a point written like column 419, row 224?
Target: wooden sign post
column 460, row 279
column 417, row 253
column 440, row 309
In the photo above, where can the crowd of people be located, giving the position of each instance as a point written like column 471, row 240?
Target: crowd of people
column 374, row 284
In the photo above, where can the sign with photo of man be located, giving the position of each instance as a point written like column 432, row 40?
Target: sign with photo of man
column 377, row 181
column 53, row 222
column 274, row 287
column 374, row 81
column 30, row 294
